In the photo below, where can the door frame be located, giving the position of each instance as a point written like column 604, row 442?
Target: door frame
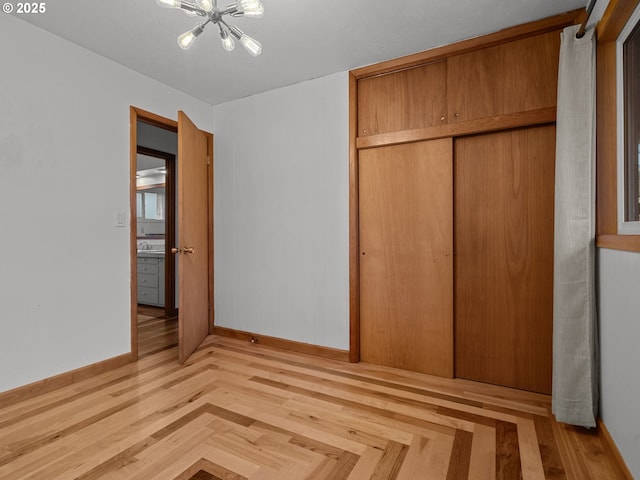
column 135, row 115
column 170, row 224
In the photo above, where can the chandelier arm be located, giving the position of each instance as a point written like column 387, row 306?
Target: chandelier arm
column 227, row 25
column 192, row 7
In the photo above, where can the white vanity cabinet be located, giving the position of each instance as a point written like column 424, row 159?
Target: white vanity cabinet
column 151, row 279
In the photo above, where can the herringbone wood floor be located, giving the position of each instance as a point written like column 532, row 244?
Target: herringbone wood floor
column 238, row 410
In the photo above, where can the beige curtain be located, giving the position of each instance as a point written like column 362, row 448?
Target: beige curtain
column 575, row 339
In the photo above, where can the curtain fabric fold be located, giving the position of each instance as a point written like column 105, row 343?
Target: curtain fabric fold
column 575, row 339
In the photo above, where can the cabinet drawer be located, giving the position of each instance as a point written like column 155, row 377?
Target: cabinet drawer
column 148, row 267
column 148, row 295
column 148, row 280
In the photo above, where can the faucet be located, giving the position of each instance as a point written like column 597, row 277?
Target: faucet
column 144, row 246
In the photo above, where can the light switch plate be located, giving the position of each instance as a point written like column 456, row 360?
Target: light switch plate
column 120, row 219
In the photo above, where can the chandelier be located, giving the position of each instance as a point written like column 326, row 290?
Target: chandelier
column 208, row 9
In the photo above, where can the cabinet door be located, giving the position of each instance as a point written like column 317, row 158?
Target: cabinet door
column 406, row 267
column 404, row 100
column 513, row 77
column 504, row 191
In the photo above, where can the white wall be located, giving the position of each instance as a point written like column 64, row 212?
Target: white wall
column 281, row 213
column 64, row 172
column 619, row 316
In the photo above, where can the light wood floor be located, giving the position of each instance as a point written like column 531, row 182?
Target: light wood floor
column 243, row 411
column 156, row 331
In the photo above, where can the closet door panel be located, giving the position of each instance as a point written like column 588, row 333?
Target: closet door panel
column 512, row 77
column 404, row 100
column 504, row 194
column 406, row 267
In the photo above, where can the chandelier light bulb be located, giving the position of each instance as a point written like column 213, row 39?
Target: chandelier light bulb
column 206, row 5
column 188, row 38
column 227, row 40
column 250, row 8
column 251, row 45
column 169, row 3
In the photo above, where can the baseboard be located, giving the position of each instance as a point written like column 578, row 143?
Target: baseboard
column 282, row 344
column 613, row 448
column 62, row 380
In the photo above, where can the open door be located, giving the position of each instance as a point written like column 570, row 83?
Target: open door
column 193, row 236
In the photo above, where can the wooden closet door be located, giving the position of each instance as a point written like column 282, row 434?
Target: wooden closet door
column 512, row 77
column 406, row 267
column 403, row 100
column 504, row 191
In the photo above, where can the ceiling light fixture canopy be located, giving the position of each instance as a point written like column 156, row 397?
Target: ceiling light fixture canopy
column 209, row 11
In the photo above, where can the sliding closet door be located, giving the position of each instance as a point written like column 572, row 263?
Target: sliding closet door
column 504, row 190
column 406, row 267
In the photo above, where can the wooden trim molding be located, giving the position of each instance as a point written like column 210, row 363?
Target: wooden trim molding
column 606, row 140
column 614, row 19
column 210, row 197
column 509, row 34
column 613, row 449
column 155, row 119
column 62, row 380
column 458, row 129
column 283, row 344
column 354, row 241
column 629, row 243
column 133, row 225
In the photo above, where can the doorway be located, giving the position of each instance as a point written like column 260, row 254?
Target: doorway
column 155, row 233
column 160, row 195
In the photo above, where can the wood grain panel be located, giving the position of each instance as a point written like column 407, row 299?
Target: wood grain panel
column 504, row 257
column 406, row 241
column 193, row 225
column 513, row 77
column 403, row 100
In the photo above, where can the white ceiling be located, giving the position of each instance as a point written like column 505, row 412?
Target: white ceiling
column 301, row 39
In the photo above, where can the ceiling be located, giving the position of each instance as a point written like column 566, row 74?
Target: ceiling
column 301, row 39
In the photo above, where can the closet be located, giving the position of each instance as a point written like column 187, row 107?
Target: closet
column 452, row 208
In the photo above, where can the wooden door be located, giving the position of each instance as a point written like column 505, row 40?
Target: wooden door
column 404, row 100
column 504, row 192
column 512, row 77
column 406, row 240
column 193, row 237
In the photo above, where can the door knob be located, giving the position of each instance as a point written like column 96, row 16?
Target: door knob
column 183, row 250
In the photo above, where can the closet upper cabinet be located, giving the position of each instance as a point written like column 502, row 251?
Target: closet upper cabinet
column 512, row 77
column 403, row 100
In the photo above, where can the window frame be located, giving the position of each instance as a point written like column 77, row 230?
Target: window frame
column 624, row 227
column 615, row 17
